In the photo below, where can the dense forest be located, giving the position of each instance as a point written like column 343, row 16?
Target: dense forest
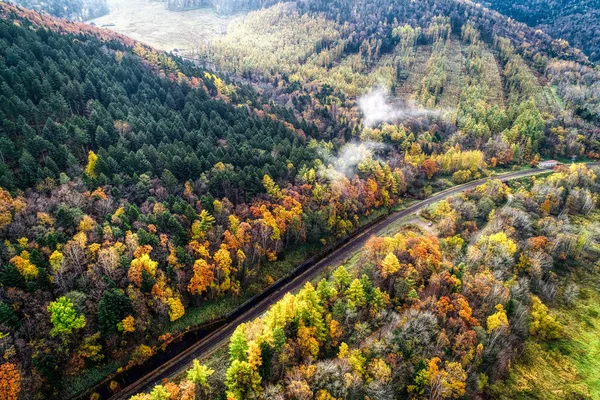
column 141, row 195
column 576, row 21
column 136, row 187
column 483, row 76
column 77, row 10
column 426, row 313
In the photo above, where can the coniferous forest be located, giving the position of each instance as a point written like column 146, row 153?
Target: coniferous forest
column 573, row 21
column 143, row 194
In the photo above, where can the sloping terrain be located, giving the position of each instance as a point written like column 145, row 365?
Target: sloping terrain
column 575, row 21
column 475, row 72
column 141, row 194
column 78, row 10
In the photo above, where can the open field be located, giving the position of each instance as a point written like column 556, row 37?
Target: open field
column 568, row 367
column 416, row 73
column 150, row 22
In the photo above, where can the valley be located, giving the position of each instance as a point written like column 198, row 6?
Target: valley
column 182, row 32
column 249, row 199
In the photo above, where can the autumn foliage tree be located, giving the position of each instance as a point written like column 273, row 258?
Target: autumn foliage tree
column 10, row 381
column 64, row 317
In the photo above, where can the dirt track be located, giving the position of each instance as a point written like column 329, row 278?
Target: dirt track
column 181, row 362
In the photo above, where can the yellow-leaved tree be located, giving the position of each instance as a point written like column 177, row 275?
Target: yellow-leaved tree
column 389, row 266
column 90, row 168
column 498, row 319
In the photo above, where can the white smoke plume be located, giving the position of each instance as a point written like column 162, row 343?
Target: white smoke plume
column 345, row 164
column 379, row 106
column 352, row 154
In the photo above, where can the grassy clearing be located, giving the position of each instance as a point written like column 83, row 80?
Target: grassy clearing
column 563, row 369
column 286, row 262
column 455, row 81
column 396, row 226
column 541, row 373
column 582, row 326
column 559, row 101
column 543, row 95
column 80, row 383
column 495, row 95
column 209, row 310
column 152, row 23
column 416, row 73
column 504, row 169
column 580, row 159
column 567, row 368
column 551, row 101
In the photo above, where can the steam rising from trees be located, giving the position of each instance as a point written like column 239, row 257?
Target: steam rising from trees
column 343, row 166
column 378, row 106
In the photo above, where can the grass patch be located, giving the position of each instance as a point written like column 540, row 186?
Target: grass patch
column 209, row 310
column 455, row 81
column 541, row 373
column 557, row 99
column 75, row 385
column 416, row 72
column 504, row 169
column 495, row 94
column 285, row 263
column 568, row 160
column 582, row 327
column 398, row 225
column 564, row 369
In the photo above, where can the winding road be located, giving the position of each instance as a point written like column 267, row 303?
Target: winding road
column 220, row 336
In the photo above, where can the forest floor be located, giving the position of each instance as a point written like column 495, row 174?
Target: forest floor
column 152, row 23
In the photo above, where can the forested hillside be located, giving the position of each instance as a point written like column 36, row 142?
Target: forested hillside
column 437, row 312
column 138, row 190
column 484, row 81
column 142, row 195
column 576, row 21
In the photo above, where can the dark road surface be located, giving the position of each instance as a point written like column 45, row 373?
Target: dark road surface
column 181, row 362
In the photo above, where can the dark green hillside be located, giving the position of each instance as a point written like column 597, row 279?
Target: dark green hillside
column 64, row 95
column 78, row 10
column 576, row 21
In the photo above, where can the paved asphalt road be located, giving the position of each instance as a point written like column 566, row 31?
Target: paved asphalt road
column 182, row 361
